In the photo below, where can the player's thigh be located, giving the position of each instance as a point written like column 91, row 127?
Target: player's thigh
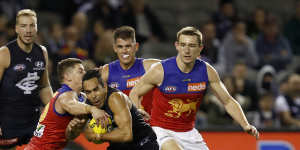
column 171, row 144
column 191, row 140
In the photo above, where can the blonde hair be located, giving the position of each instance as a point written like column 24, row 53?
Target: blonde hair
column 190, row 31
column 25, row 12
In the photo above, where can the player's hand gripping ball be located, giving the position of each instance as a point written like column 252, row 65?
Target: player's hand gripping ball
column 98, row 129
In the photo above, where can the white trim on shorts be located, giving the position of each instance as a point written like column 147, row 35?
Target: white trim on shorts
column 190, row 140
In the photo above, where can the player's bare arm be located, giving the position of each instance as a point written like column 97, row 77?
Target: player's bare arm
column 150, row 79
column 118, row 103
column 46, row 92
column 147, row 63
column 230, row 104
column 67, row 102
column 77, row 124
column 104, row 73
column 4, row 60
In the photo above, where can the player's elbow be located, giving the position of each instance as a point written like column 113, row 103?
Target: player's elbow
column 134, row 96
column 128, row 137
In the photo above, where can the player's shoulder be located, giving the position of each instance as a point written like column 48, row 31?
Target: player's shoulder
column 69, row 95
column 149, row 62
column 212, row 73
column 4, row 56
column 116, row 95
column 116, row 98
column 104, row 68
column 209, row 67
column 44, row 49
column 104, row 71
column 4, row 50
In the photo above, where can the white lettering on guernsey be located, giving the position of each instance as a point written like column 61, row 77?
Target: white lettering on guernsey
column 39, row 65
column 196, row 87
column 19, row 67
column 39, row 131
column 28, row 84
column 114, row 85
column 170, row 89
column 132, row 82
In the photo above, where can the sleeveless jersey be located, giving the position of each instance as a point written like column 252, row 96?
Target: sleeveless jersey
column 125, row 80
column 177, row 99
column 140, row 128
column 19, row 90
column 50, row 131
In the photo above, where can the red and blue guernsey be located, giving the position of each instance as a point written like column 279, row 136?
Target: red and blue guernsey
column 50, row 131
column 177, row 99
column 125, row 80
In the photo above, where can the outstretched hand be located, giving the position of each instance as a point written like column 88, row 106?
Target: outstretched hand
column 100, row 116
column 76, row 123
column 250, row 129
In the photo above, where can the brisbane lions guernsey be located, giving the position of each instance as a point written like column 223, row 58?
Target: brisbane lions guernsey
column 50, row 131
column 176, row 100
column 125, row 80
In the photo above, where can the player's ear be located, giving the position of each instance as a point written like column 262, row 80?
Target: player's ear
column 17, row 29
column 201, row 47
column 115, row 47
column 176, row 43
column 67, row 76
column 137, row 45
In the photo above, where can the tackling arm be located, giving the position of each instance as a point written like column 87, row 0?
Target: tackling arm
column 67, row 102
column 75, row 127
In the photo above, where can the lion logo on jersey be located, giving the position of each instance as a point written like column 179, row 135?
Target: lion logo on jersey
column 179, row 107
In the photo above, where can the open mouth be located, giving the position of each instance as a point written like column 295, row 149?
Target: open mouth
column 125, row 56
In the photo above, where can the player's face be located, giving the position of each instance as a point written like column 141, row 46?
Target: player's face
column 96, row 94
column 26, row 28
column 76, row 75
column 188, row 48
column 126, row 49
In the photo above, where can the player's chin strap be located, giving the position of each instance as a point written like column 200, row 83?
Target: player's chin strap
column 5, row 142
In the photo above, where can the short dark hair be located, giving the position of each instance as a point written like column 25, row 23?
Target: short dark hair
column 94, row 73
column 124, row 32
column 64, row 65
column 190, row 31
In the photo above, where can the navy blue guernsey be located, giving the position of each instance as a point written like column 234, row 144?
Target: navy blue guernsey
column 293, row 106
column 140, row 128
column 19, row 90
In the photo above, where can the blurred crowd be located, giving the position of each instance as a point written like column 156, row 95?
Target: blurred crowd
column 257, row 57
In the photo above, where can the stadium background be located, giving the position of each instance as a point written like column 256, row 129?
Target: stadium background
column 83, row 29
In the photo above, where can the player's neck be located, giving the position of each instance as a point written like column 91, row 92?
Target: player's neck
column 127, row 66
column 25, row 47
column 74, row 87
column 183, row 67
